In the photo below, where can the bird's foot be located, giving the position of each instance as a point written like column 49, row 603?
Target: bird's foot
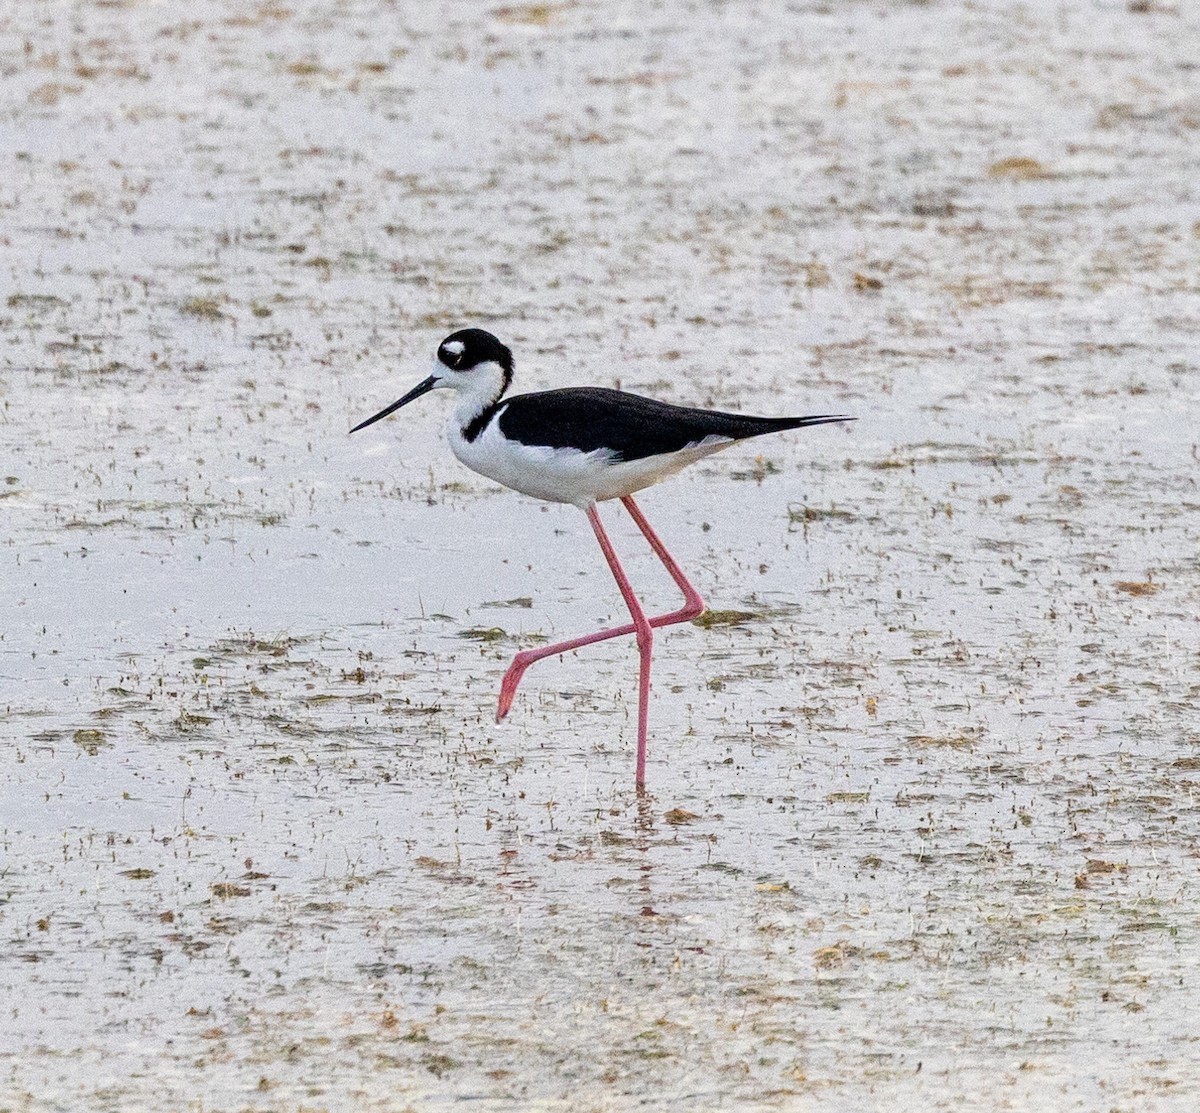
column 512, row 678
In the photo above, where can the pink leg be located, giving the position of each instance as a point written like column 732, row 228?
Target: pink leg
column 645, row 638
column 693, row 606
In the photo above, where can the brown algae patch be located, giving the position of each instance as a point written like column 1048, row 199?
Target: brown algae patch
column 1137, row 588
column 710, row 618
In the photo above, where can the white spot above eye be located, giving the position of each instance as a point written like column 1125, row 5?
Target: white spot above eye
column 454, row 347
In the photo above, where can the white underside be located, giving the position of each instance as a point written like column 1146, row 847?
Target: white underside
column 566, row 474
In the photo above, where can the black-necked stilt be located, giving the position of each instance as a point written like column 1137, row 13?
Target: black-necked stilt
column 581, row 445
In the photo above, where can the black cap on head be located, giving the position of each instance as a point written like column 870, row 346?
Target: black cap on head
column 469, row 347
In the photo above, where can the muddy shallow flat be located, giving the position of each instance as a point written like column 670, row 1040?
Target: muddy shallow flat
column 922, row 829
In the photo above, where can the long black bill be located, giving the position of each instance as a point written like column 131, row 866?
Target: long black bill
column 416, row 392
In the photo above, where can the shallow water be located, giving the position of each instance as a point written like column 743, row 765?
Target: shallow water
column 922, row 825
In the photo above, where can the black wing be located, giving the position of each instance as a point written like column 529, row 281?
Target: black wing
column 631, row 427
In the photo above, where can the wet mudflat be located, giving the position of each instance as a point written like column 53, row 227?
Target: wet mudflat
column 922, row 828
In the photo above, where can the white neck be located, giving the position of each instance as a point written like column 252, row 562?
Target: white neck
column 477, row 389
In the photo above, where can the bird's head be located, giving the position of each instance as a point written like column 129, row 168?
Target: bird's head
column 471, row 361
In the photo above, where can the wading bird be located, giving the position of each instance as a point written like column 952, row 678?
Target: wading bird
column 581, row 445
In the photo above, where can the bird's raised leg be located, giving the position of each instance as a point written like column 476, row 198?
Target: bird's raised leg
column 693, row 605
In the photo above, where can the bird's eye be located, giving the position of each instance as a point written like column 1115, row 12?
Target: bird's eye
column 452, row 355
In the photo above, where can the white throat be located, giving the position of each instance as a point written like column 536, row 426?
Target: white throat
column 477, row 389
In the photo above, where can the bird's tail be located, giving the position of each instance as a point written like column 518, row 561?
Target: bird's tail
column 742, row 426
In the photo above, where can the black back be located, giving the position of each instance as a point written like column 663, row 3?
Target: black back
column 631, row 427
